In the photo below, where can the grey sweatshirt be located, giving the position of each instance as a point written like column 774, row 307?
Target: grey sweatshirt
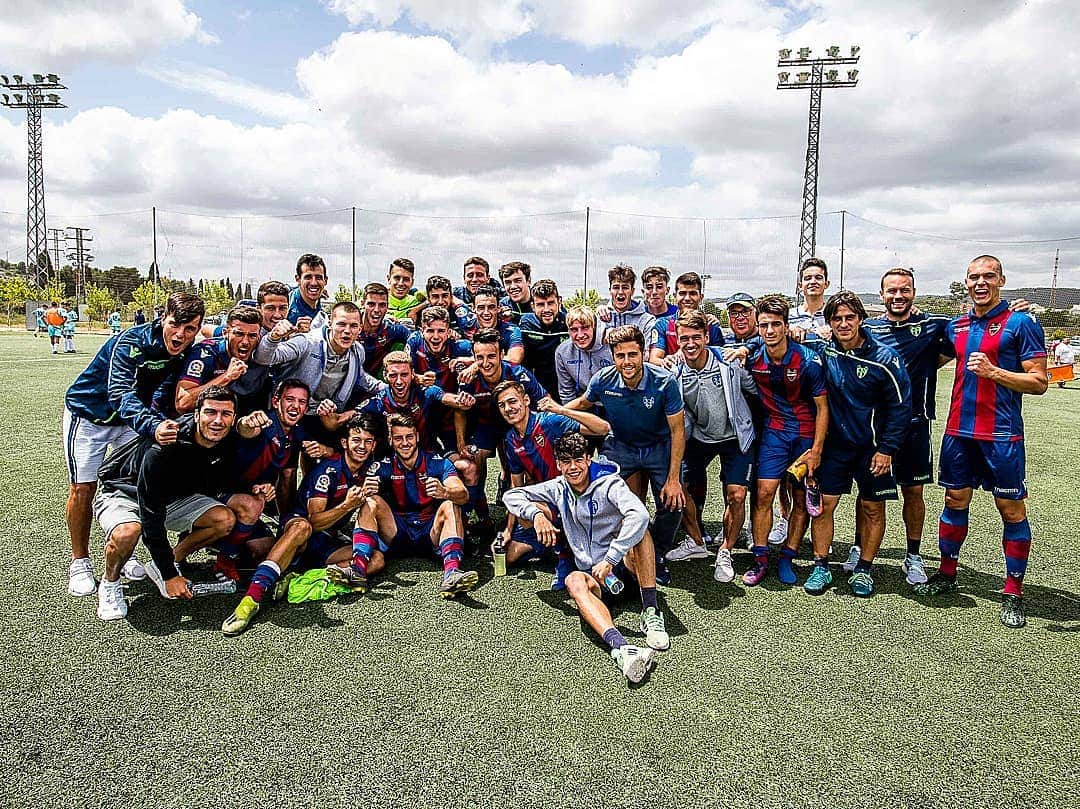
column 637, row 315
column 603, row 523
column 575, row 366
column 304, row 357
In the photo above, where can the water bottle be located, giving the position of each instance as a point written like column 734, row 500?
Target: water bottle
column 212, row 588
column 498, row 553
column 613, row 584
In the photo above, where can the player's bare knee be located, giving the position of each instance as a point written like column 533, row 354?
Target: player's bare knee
column 123, row 538
column 736, row 496
column 221, row 519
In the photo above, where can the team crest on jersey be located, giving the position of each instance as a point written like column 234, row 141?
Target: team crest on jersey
column 860, row 371
column 915, row 330
column 648, row 401
column 196, row 368
column 994, row 329
column 539, row 440
column 792, row 374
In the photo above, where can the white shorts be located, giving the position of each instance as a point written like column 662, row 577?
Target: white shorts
column 113, row 508
column 86, row 444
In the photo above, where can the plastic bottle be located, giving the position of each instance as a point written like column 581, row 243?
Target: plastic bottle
column 613, row 583
column 498, row 553
column 212, row 588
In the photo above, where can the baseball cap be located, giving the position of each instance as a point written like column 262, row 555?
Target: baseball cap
column 742, row 299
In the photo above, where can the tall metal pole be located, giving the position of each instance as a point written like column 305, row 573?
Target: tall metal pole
column 241, row 252
column 843, row 222
column 585, row 287
column 354, row 250
column 33, row 98
column 814, row 80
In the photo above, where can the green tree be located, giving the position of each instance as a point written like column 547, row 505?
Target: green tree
column 122, row 281
column 146, row 296
column 217, row 298
column 583, row 297
column 52, row 291
column 15, row 291
column 100, row 301
column 343, row 294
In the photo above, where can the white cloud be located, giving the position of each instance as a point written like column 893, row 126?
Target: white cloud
column 36, row 35
column 231, row 89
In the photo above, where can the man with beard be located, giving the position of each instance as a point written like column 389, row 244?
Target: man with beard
column 317, row 532
column 411, row 507
column 379, row 334
column 920, row 341
column 544, row 330
column 148, row 489
column 109, row 400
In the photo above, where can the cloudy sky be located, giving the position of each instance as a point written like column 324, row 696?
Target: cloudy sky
column 964, row 125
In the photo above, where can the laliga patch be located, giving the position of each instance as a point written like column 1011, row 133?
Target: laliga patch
column 196, row 368
column 322, row 484
column 374, row 468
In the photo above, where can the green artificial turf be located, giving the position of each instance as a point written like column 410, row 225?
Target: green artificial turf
column 768, row 697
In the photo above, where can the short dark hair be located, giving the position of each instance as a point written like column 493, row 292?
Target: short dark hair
column 289, row 384
column 432, row 313
column 689, row 279
column 368, row 422
column 904, row 271
column 313, row 261
column 846, row 298
column 486, row 291
column 656, row 271
column 545, row 288
column 477, row 260
column 990, row 260
column 244, row 314
column 348, row 306
column 400, row 420
column 511, row 267
column 439, row 282
column 271, row 288
column 184, row 307
column 375, row 288
column 623, row 273
column 215, row 393
column 692, row 319
column 814, row 261
column 487, row 337
column 570, row 446
column 625, row 334
column 403, row 264
column 774, row 305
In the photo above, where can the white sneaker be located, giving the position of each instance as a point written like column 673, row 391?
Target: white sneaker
column 778, row 534
column 687, row 549
column 852, row 558
column 723, row 571
column 81, row 581
column 652, row 624
column 155, row 576
column 111, row 605
column 133, row 570
column 916, row 571
column 633, row 661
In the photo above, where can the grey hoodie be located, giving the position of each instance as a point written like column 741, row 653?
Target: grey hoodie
column 637, row 315
column 575, row 366
column 603, row 523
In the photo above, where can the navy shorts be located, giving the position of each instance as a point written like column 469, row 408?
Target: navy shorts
column 996, row 466
column 413, row 538
column 527, row 536
column 913, row 463
column 735, row 465
column 321, row 545
column 653, row 460
column 488, row 436
column 776, row 452
column 315, row 430
column 842, row 464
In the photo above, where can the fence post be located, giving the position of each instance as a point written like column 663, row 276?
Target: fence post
column 241, row 252
column 157, row 270
column 354, row 250
column 843, row 220
column 585, row 287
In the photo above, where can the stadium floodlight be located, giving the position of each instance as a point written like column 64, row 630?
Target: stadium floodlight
column 39, row 79
column 54, row 98
column 852, row 75
column 804, row 77
column 855, row 51
column 784, row 77
column 18, row 98
column 832, row 75
column 804, row 53
column 785, row 54
column 833, row 51
column 53, row 78
column 18, row 78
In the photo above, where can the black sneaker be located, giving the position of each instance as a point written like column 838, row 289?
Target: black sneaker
column 936, row 585
column 1012, row 611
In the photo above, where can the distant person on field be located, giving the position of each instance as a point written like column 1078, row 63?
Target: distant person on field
column 71, row 320
column 55, row 318
column 1064, row 354
column 115, row 322
column 39, row 317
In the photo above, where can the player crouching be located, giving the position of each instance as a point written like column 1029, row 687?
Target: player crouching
column 412, row 507
column 606, row 526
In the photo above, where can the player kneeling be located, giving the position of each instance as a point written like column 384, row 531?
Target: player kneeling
column 412, row 507
column 606, row 526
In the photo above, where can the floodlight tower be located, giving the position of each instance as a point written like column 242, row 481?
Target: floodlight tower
column 813, row 76
column 32, row 97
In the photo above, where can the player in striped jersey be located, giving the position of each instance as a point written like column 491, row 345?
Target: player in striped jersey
column 1000, row 355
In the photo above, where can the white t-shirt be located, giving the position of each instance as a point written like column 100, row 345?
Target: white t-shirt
column 1065, row 354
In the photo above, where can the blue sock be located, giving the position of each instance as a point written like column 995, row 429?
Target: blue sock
column 648, row 597
column 913, row 546
column 614, row 638
column 263, row 579
column 862, row 566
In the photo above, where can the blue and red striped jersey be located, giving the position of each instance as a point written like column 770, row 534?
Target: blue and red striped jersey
column 261, row 459
column 666, row 338
column 424, row 359
column 484, row 412
column 787, row 389
column 330, row 480
column 424, row 405
column 980, row 408
column 403, row 489
column 377, row 344
column 533, row 454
